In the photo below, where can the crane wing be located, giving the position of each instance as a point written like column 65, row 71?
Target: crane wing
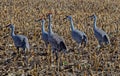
column 56, row 41
column 106, row 39
column 19, row 40
column 77, row 36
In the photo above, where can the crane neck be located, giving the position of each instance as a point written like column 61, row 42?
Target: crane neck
column 71, row 24
column 12, row 32
column 43, row 28
column 95, row 19
column 50, row 20
column 49, row 26
column 50, row 29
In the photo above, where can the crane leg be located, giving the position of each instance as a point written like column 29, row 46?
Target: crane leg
column 18, row 55
column 46, row 45
column 99, row 45
column 56, row 54
column 85, row 42
column 78, row 48
column 18, row 50
column 24, row 50
column 79, row 45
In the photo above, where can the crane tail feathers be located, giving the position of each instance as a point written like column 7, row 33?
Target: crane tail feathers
column 62, row 46
column 84, row 40
column 26, row 44
column 106, row 39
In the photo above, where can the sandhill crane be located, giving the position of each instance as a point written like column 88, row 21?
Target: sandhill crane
column 100, row 34
column 57, row 43
column 77, row 35
column 44, row 33
column 20, row 41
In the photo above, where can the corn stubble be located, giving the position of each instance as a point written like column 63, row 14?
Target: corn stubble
column 40, row 61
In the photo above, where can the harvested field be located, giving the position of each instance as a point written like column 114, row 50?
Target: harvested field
column 90, row 61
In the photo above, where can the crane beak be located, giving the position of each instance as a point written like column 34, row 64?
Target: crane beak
column 90, row 16
column 37, row 20
column 8, row 25
column 48, row 14
column 64, row 18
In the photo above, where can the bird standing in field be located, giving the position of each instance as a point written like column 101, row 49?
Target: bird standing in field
column 77, row 35
column 56, row 42
column 20, row 41
column 100, row 35
column 44, row 33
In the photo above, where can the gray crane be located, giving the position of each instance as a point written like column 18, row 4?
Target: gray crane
column 44, row 33
column 57, row 43
column 100, row 35
column 20, row 41
column 77, row 35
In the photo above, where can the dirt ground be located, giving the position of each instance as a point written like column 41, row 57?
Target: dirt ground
column 88, row 61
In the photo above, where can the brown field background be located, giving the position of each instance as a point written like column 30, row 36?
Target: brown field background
column 39, row 62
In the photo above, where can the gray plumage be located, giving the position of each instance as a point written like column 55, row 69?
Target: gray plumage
column 100, row 35
column 57, row 43
column 77, row 35
column 20, row 41
column 44, row 33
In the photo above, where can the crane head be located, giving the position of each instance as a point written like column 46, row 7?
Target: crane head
column 10, row 26
column 42, row 19
column 68, row 17
column 93, row 16
column 49, row 14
